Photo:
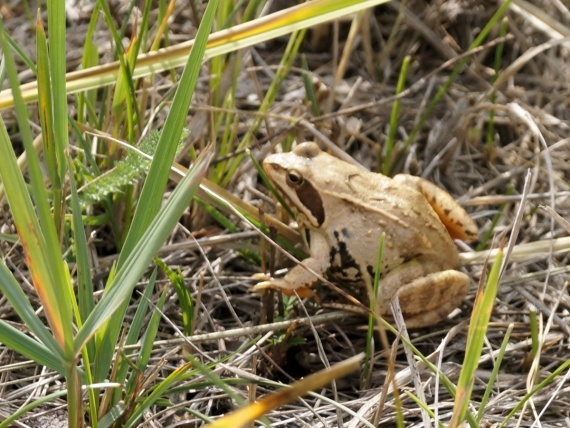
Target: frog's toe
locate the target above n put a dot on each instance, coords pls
(260, 276)
(281, 285)
(264, 285)
(267, 282)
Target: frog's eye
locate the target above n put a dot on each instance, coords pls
(294, 178)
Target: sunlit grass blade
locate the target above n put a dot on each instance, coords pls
(482, 309)
(313, 382)
(46, 268)
(238, 37)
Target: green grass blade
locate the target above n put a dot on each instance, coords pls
(45, 101)
(458, 69)
(133, 336)
(57, 64)
(46, 276)
(285, 64)
(85, 288)
(85, 297)
(86, 100)
(494, 373)
(10, 288)
(21, 54)
(387, 163)
(155, 184)
(152, 192)
(38, 190)
(35, 226)
(156, 393)
(125, 93)
(29, 348)
(31, 406)
(149, 336)
(310, 87)
(475, 339)
(538, 388)
(184, 297)
(139, 258)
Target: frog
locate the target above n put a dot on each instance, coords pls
(342, 211)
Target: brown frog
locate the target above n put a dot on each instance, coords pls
(343, 211)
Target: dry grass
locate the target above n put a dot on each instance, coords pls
(532, 123)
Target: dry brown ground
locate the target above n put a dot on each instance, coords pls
(531, 140)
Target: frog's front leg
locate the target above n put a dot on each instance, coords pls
(302, 277)
(426, 295)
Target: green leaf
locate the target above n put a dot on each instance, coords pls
(35, 226)
(29, 348)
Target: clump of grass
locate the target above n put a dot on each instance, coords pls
(112, 322)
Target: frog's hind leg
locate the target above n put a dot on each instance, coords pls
(429, 299)
(452, 215)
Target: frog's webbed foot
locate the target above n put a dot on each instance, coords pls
(452, 215)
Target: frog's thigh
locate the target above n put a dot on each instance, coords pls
(429, 299)
(452, 215)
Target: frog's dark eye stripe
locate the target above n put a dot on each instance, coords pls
(310, 198)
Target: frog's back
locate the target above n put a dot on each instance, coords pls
(379, 205)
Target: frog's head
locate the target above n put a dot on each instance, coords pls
(293, 174)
